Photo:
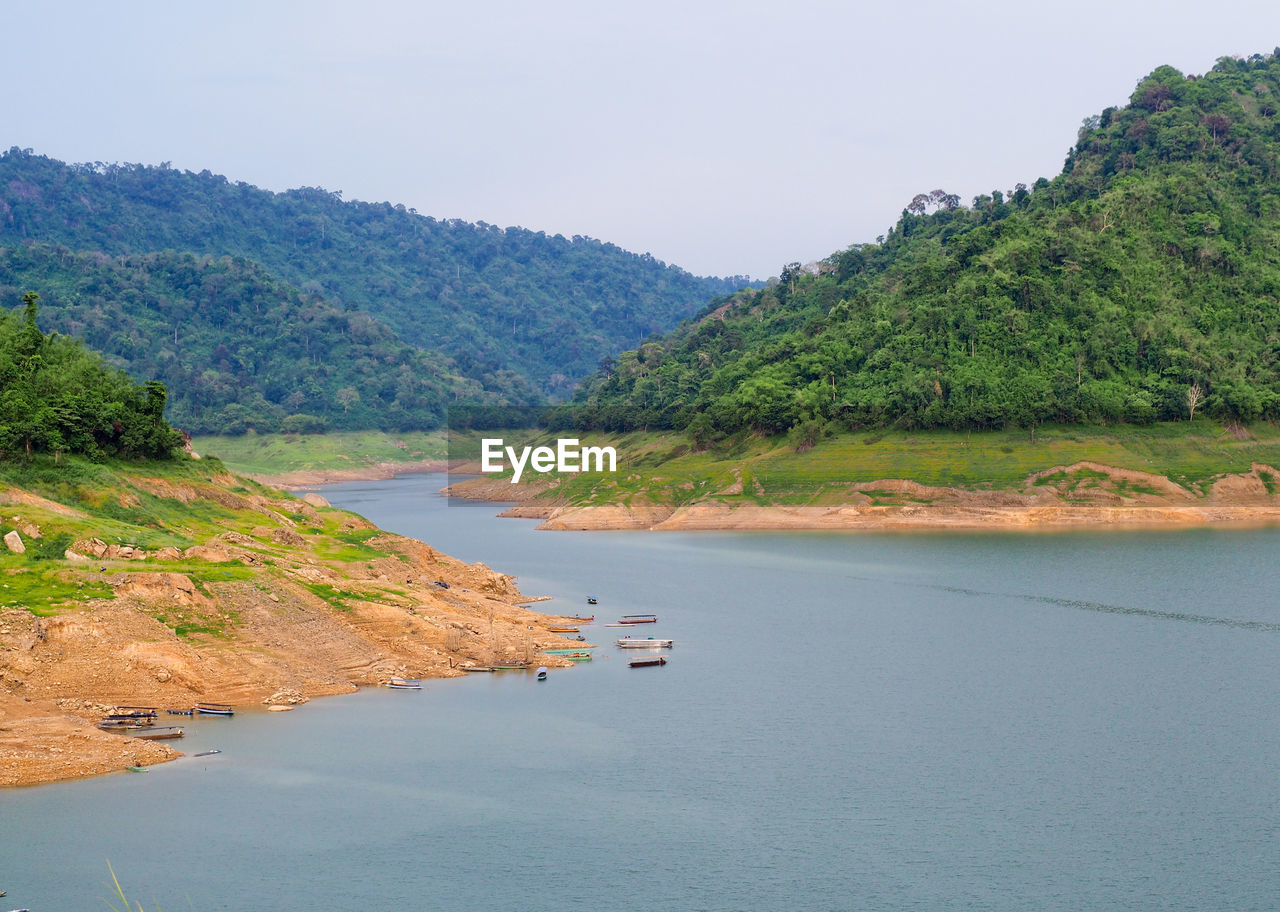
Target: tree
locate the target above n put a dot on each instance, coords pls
(1195, 393)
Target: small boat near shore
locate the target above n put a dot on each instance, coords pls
(163, 733)
(215, 709)
(576, 650)
(474, 668)
(628, 619)
(125, 723)
(542, 673)
(208, 753)
(645, 663)
(405, 683)
(560, 628)
(181, 712)
(583, 620)
(645, 643)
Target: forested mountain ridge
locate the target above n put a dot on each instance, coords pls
(489, 301)
(238, 348)
(1140, 284)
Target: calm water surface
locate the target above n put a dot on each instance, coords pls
(847, 721)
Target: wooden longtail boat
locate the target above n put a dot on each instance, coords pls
(559, 628)
(215, 709)
(645, 663)
(163, 733)
(639, 619)
(474, 668)
(405, 683)
(644, 643)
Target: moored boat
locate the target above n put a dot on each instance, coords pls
(645, 663)
(162, 733)
(583, 620)
(542, 673)
(405, 683)
(579, 657)
(560, 628)
(215, 709)
(474, 668)
(644, 643)
(574, 650)
(639, 619)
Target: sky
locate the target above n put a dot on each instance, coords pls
(725, 138)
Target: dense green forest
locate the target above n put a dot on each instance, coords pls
(58, 397)
(1140, 284)
(487, 301)
(238, 348)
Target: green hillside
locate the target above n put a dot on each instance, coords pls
(58, 398)
(239, 349)
(1139, 285)
(490, 301)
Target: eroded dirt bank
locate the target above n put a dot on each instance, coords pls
(1080, 495)
(280, 615)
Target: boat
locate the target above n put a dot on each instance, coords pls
(135, 712)
(136, 769)
(405, 683)
(590, 600)
(207, 753)
(126, 724)
(579, 657)
(576, 650)
(520, 667)
(180, 712)
(645, 643)
(542, 673)
(474, 668)
(215, 709)
(645, 663)
(639, 619)
(562, 629)
(163, 733)
(583, 620)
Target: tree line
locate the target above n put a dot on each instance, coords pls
(58, 397)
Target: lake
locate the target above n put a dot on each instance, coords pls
(951, 721)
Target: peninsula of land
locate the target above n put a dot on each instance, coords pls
(222, 591)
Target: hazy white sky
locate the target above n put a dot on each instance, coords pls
(724, 137)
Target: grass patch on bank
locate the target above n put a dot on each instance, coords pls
(279, 454)
(662, 468)
(45, 590)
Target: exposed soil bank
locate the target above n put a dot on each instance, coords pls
(1081, 495)
(289, 621)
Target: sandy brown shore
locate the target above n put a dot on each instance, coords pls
(271, 636)
(1083, 495)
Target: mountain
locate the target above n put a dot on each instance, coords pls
(238, 348)
(519, 314)
(1141, 284)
